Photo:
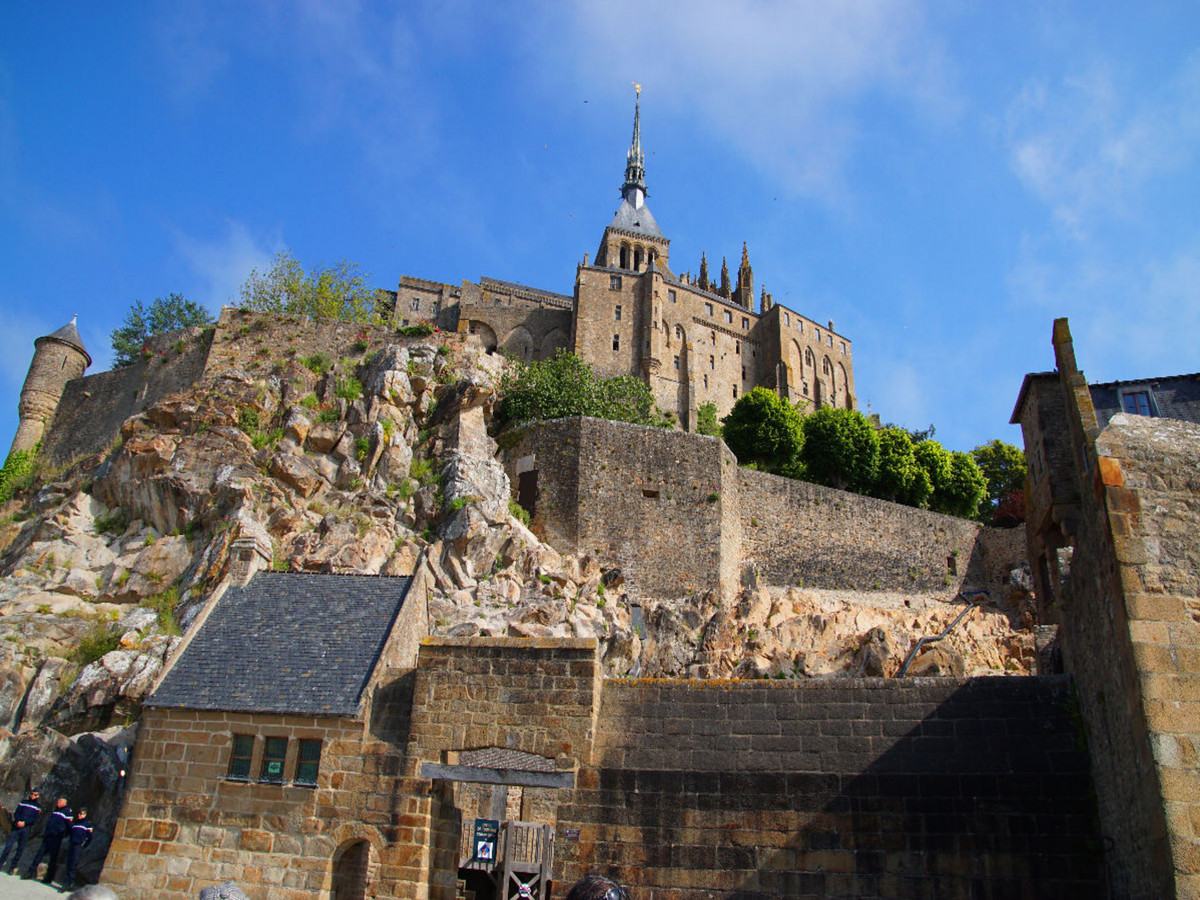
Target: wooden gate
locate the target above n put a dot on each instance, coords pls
(523, 863)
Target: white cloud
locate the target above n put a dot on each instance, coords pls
(783, 82)
(1084, 147)
(219, 266)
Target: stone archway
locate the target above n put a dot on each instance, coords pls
(351, 871)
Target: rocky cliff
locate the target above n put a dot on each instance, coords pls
(374, 462)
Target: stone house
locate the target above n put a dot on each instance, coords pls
(267, 751)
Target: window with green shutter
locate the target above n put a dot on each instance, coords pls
(239, 758)
(308, 761)
(274, 753)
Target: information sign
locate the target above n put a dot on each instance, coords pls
(486, 832)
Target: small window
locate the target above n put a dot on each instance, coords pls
(800, 325)
(708, 308)
(671, 296)
(843, 348)
(308, 762)
(617, 312)
(706, 381)
(1137, 403)
(787, 320)
(650, 493)
(745, 323)
(678, 332)
(677, 364)
(728, 317)
(743, 373)
(274, 753)
(735, 392)
(829, 338)
(614, 282)
(737, 347)
(616, 342)
(712, 362)
(712, 338)
(416, 303)
(239, 758)
(818, 335)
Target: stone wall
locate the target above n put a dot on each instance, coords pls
(93, 407)
(678, 516)
(533, 696)
(796, 532)
(649, 500)
(846, 789)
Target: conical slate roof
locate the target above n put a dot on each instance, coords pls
(638, 220)
(68, 334)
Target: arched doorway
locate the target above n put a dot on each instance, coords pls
(350, 871)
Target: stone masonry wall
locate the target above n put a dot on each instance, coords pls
(801, 533)
(836, 789)
(1131, 636)
(92, 408)
(650, 500)
(535, 696)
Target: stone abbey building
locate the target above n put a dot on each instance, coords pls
(692, 341)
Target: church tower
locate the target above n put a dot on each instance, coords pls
(633, 241)
(743, 296)
(57, 359)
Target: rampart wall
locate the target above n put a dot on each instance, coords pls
(92, 408)
(678, 515)
(837, 789)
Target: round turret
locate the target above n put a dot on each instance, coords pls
(57, 359)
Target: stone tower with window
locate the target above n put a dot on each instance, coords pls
(57, 359)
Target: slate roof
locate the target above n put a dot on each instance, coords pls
(287, 643)
(69, 334)
(504, 758)
(640, 220)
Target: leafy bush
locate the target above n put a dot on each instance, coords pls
(348, 388)
(414, 330)
(841, 449)
(318, 363)
(169, 313)
(1003, 466)
(310, 401)
(101, 639)
(324, 292)
(362, 446)
(165, 606)
(706, 419)
(566, 386)
(518, 512)
(765, 430)
(328, 414)
(19, 473)
(248, 421)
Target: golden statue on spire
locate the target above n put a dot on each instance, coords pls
(638, 88)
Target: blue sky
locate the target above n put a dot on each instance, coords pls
(940, 179)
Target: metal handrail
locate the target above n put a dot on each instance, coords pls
(928, 639)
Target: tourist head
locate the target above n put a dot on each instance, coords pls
(82, 814)
(60, 803)
(93, 892)
(597, 887)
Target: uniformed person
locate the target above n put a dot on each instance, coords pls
(52, 838)
(24, 816)
(81, 836)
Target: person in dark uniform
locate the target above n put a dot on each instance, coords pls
(24, 817)
(52, 838)
(81, 836)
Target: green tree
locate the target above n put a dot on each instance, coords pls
(168, 313)
(566, 386)
(764, 429)
(706, 419)
(1003, 465)
(324, 292)
(965, 489)
(841, 449)
(901, 478)
(934, 461)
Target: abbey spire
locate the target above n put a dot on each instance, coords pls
(634, 188)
